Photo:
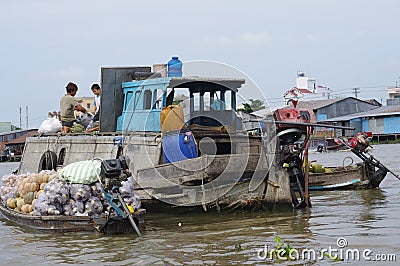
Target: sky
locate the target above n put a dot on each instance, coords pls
(344, 44)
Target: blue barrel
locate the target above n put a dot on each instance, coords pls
(174, 67)
(178, 147)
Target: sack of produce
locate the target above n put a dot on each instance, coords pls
(126, 189)
(80, 192)
(73, 207)
(97, 191)
(85, 119)
(57, 192)
(43, 206)
(76, 128)
(50, 125)
(83, 172)
(93, 206)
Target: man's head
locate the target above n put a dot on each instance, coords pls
(96, 89)
(72, 88)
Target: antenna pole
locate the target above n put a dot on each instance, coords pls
(20, 119)
(356, 92)
(26, 117)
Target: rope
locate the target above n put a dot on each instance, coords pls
(347, 157)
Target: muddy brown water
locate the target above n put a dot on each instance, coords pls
(365, 219)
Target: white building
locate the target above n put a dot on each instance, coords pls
(306, 89)
(393, 96)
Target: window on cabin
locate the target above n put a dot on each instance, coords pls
(147, 100)
(205, 101)
(196, 101)
(128, 98)
(216, 104)
(157, 99)
(88, 105)
(228, 100)
(136, 103)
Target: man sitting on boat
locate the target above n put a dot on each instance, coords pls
(67, 106)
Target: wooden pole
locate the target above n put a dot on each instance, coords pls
(306, 170)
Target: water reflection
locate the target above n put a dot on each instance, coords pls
(366, 218)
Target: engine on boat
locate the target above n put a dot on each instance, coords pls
(291, 127)
(114, 171)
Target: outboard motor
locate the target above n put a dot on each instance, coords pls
(359, 145)
(291, 124)
(114, 171)
(360, 142)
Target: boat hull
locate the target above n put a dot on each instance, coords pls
(62, 223)
(245, 175)
(339, 178)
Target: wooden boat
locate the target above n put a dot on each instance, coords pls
(338, 178)
(203, 135)
(62, 223)
(350, 177)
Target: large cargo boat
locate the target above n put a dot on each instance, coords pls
(187, 154)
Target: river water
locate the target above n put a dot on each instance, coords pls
(367, 220)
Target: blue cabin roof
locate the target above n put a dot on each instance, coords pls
(144, 99)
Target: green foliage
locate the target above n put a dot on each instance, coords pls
(246, 108)
(13, 127)
(238, 247)
(280, 251)
(257, 104)
(385, 142)
(283, 251)
(254, 105)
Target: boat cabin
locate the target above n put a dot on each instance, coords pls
(211, 103)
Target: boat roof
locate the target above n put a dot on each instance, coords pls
(195, 84)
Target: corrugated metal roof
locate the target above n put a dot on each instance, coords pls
(22, 138)
(380, 111)
(318, 103)
(17, 131)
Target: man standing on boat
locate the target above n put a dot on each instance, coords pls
(96, 91)
(68, 104)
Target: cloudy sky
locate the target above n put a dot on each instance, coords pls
(46, 43)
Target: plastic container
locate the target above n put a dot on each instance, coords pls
(172, 118)
(178, 147)
(174, 67)
(160, 68)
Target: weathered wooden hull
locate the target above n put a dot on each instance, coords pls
(59, 223)
(214, 181)
(50, 223)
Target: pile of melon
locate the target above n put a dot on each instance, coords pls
(21, 192)
(46, 194)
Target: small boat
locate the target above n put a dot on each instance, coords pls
(338, 178)
(63, 223)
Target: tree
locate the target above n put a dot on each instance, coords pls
(13, 127)
(257, 104)
(254, 105)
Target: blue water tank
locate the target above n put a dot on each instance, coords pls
(178, 147)
(174, 67)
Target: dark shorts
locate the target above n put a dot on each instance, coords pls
(67, 124)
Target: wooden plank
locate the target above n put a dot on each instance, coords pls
(206, 168)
